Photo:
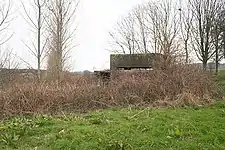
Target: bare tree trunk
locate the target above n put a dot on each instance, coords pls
(39, 40)
(216, 48)
(37, 24)
(204, 64)
(224, 44)
(186, 52)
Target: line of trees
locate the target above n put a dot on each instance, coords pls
(174, 27)
(52, 24)
(53, 27)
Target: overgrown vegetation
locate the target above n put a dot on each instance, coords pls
(175, 87)
(114, 129)
(42, 115)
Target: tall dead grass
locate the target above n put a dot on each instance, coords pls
(177, 86)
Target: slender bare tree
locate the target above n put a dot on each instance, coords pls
(6, 55)
(61, 29)
(37, 23)
(5, 12)
(186, 18)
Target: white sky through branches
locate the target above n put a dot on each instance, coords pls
(95, 18)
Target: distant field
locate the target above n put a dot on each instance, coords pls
(186, 128)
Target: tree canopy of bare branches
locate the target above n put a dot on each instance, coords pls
(151, 27)
(204, 15)
(174, 30)
(61, 29)
(124, 37)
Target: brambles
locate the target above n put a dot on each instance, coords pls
(178, 86)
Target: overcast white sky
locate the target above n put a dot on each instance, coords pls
(95, 19)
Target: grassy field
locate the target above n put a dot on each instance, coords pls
(114, 129)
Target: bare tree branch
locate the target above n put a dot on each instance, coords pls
(204, 13)
(5, 9)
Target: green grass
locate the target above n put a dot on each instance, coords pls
(115, 129)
